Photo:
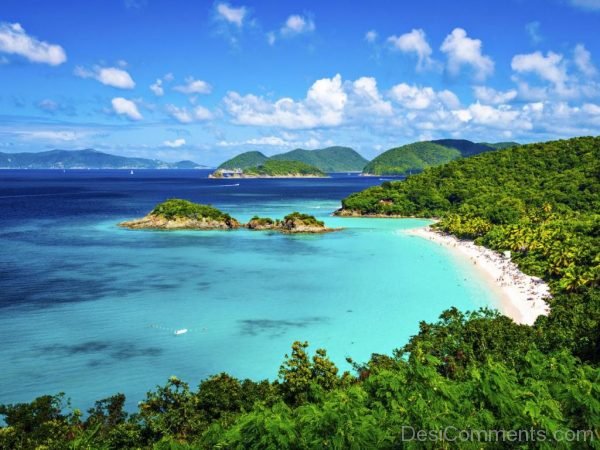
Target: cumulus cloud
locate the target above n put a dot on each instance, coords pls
(125, 107)
(461, 50)
(322, 107)
(157, 88)
(193, 86)
(414, 97)
(414, 42)
(550, 67)
(185, 115)
(231, 14)
(365, 98)
(174, 143)
(109, 76)
(14, 40)
(583, 60)
(491, 96)
(297, 24)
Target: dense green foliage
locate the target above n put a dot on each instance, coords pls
(244, 160)
(177, 208)
(411, 157)
(305, 219)
(541, 201)
(512, 386)
(330, 159)
(420, 155)
(272, 168)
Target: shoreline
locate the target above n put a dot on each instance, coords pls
(521, 296)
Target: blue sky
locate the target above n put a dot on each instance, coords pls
(206, 80)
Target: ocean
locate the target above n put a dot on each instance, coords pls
(90, 309)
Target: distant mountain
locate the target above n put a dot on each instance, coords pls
(419, 155)
(330, 159)
(85, 159)
(244, 160)
(411, 157)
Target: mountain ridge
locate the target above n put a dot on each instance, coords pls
(85, 159)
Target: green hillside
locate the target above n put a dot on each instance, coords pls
(417, 156)
(272, 168)
(244, 160)
(411, 157)
(331, 159)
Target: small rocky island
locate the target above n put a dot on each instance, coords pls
(292, 223)
(177, 214)
(272, 169)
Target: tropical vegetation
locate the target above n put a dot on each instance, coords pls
(244, 160)
(178, 208)
(470, 380)
(272, 168)
(417, 156)
(330, 159)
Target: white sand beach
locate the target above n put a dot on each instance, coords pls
(521, 296)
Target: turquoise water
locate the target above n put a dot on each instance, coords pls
(115, 298)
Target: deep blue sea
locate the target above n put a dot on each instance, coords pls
(91, 309)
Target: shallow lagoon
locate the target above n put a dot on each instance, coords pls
(90, 309)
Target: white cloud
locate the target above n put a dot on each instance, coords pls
(297, 24)
(462, 50)
(550, 67)
(193, 86)
(14, 40)
(185, 115)
(157, 88)
(55, 136)
(231, 14)
(366, 99)
(414, 42)
(491, 96)
(414, 97)
(323, 107)
(371, 36)
(275, 141)
(590, 108)
(271, 38)
(109, 76)
(583, 60)
(175, 143)
(125, 107)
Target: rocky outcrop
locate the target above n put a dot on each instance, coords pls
(156, 222)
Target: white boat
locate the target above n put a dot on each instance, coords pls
(131, 173)
(182, 331)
